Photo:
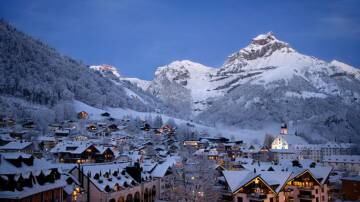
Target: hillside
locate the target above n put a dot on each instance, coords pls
(38, 74)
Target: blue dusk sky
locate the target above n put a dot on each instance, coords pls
(139, 35)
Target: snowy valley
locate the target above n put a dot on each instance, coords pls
(267, 123)
(260, 86)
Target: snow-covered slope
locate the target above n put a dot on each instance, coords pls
(131, 89)
(143, 84)
(186, 82)
(263, 84)
(269, 81)
(34, 72)
(266, 82)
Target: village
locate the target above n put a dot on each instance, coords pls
(88, 161)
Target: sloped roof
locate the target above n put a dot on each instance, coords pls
(16, 145)
(293, 139)
(160, 169)
(237, 179)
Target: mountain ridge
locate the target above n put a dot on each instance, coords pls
(267, 82)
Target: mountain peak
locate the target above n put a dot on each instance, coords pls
(106, 70)
(183, 66)
(263, 39)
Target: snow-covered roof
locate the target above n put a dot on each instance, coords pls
(8, 168)
(17, 145)
(293, 139)
(46, 138)
(24, 165)
(112, 175)
(244, 160)
(160, 169)
(148, 165)
(237, 179)
(74, 147)
(6, 137)
(36, 188)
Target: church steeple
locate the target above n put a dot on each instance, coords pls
(284, 129)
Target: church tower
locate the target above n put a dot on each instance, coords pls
(284, 129)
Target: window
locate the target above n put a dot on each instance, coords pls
(239, 199)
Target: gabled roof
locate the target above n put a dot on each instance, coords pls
(73, 147)
(160, 169)
(301, 172)
(238, 179)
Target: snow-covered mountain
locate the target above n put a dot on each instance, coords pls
(185, 85)
(267, 82)
(133, 88)
(38, 74)
(263, 84)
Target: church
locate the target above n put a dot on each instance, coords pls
(286, 141)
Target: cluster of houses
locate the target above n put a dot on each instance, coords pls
(290, 169)
(86, 160)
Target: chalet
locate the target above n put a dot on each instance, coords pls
(83, 115)
(25, 178)
(255, 185)
(305, 181)
(81, 152)
(116, 182)
(292, 184)
(18, 146)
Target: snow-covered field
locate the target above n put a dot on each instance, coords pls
(246, 135)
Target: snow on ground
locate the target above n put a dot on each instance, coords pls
(305, 94)
(143, 84)
(131, 93)
(247, 135)
(197, 77)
